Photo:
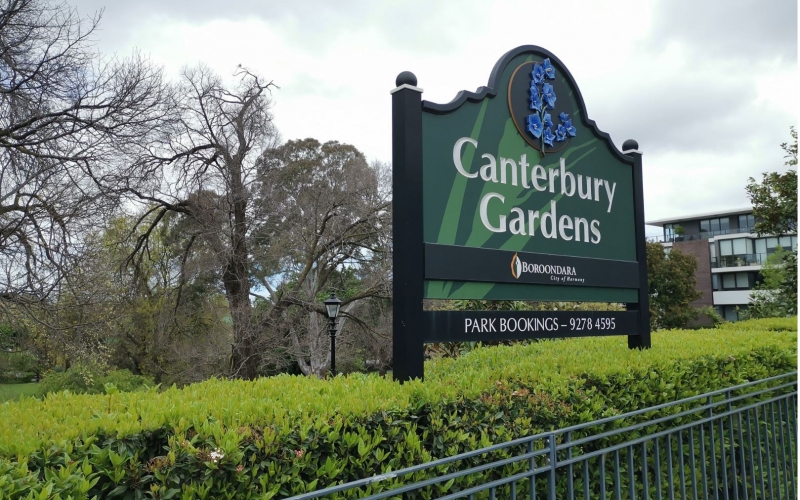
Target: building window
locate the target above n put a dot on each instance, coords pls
(747, 221)
(728, 281)
(738, 246)
(730, 313)
(669, 232)
(761, 246)
(718, 225)
(770, 245)
(712, 254)
(734, 281)
(742, 281)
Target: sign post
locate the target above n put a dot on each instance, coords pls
(512, 193)
(407, 287)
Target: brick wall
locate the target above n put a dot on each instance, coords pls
(699, 248)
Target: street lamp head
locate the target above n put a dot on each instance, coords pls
(333, 304)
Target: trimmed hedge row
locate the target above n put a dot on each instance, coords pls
(285, 435)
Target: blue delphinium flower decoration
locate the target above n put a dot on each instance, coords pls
(535, 125)
(537, 74)
(571, 130)
(536, 98)
(549, 95)
(549, 70)
(561, 133)
(543, 97)
(548, 136)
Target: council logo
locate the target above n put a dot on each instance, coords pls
(516, 267)
(541, 106)
(567, 273)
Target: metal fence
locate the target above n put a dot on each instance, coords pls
(731, 444)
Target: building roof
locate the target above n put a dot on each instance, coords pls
(682, 218)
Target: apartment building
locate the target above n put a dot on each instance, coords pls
(729, 254)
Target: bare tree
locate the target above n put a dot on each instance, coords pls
(66, 116)
(204, 169)
(285, 217)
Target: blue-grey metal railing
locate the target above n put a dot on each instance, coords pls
(731, 444)
(739, 260)
(702, 235)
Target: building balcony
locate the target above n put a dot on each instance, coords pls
(732, 297)
(741, 260)
(703, 235)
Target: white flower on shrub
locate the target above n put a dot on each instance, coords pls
(216, 455)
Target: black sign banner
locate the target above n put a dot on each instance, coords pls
(470, 326)
(448, 262)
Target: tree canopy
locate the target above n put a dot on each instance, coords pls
(775, 207)
(774, 199)
(66, 118)
(672, 285)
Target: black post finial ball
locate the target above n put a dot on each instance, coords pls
(629, 145)
(406, 78)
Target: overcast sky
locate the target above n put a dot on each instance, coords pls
(708, 88)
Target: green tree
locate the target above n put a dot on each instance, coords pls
(775, 198)
(327, 226)
(776, 295)
(775, 204)
(672, 285)
(160, 314)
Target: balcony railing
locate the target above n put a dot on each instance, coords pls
(741, 260)
(703, 235)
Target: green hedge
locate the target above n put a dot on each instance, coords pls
(86, 379)
(284, 435)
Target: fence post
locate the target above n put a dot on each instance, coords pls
(532, 465)
(551, 482)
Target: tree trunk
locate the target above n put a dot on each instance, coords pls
(246, 358)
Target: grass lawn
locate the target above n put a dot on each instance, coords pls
(14, 391)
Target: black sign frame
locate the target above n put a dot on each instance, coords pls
(412, 326)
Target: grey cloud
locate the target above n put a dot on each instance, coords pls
(690, 198)
(414, 25)
(711, 113)
(741, 29)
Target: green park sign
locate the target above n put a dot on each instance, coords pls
(512, 193)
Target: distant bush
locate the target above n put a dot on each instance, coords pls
(713, 316)
(279, 436)
(17, 367)
(90, 379)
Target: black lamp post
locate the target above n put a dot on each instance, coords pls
(332, 304)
